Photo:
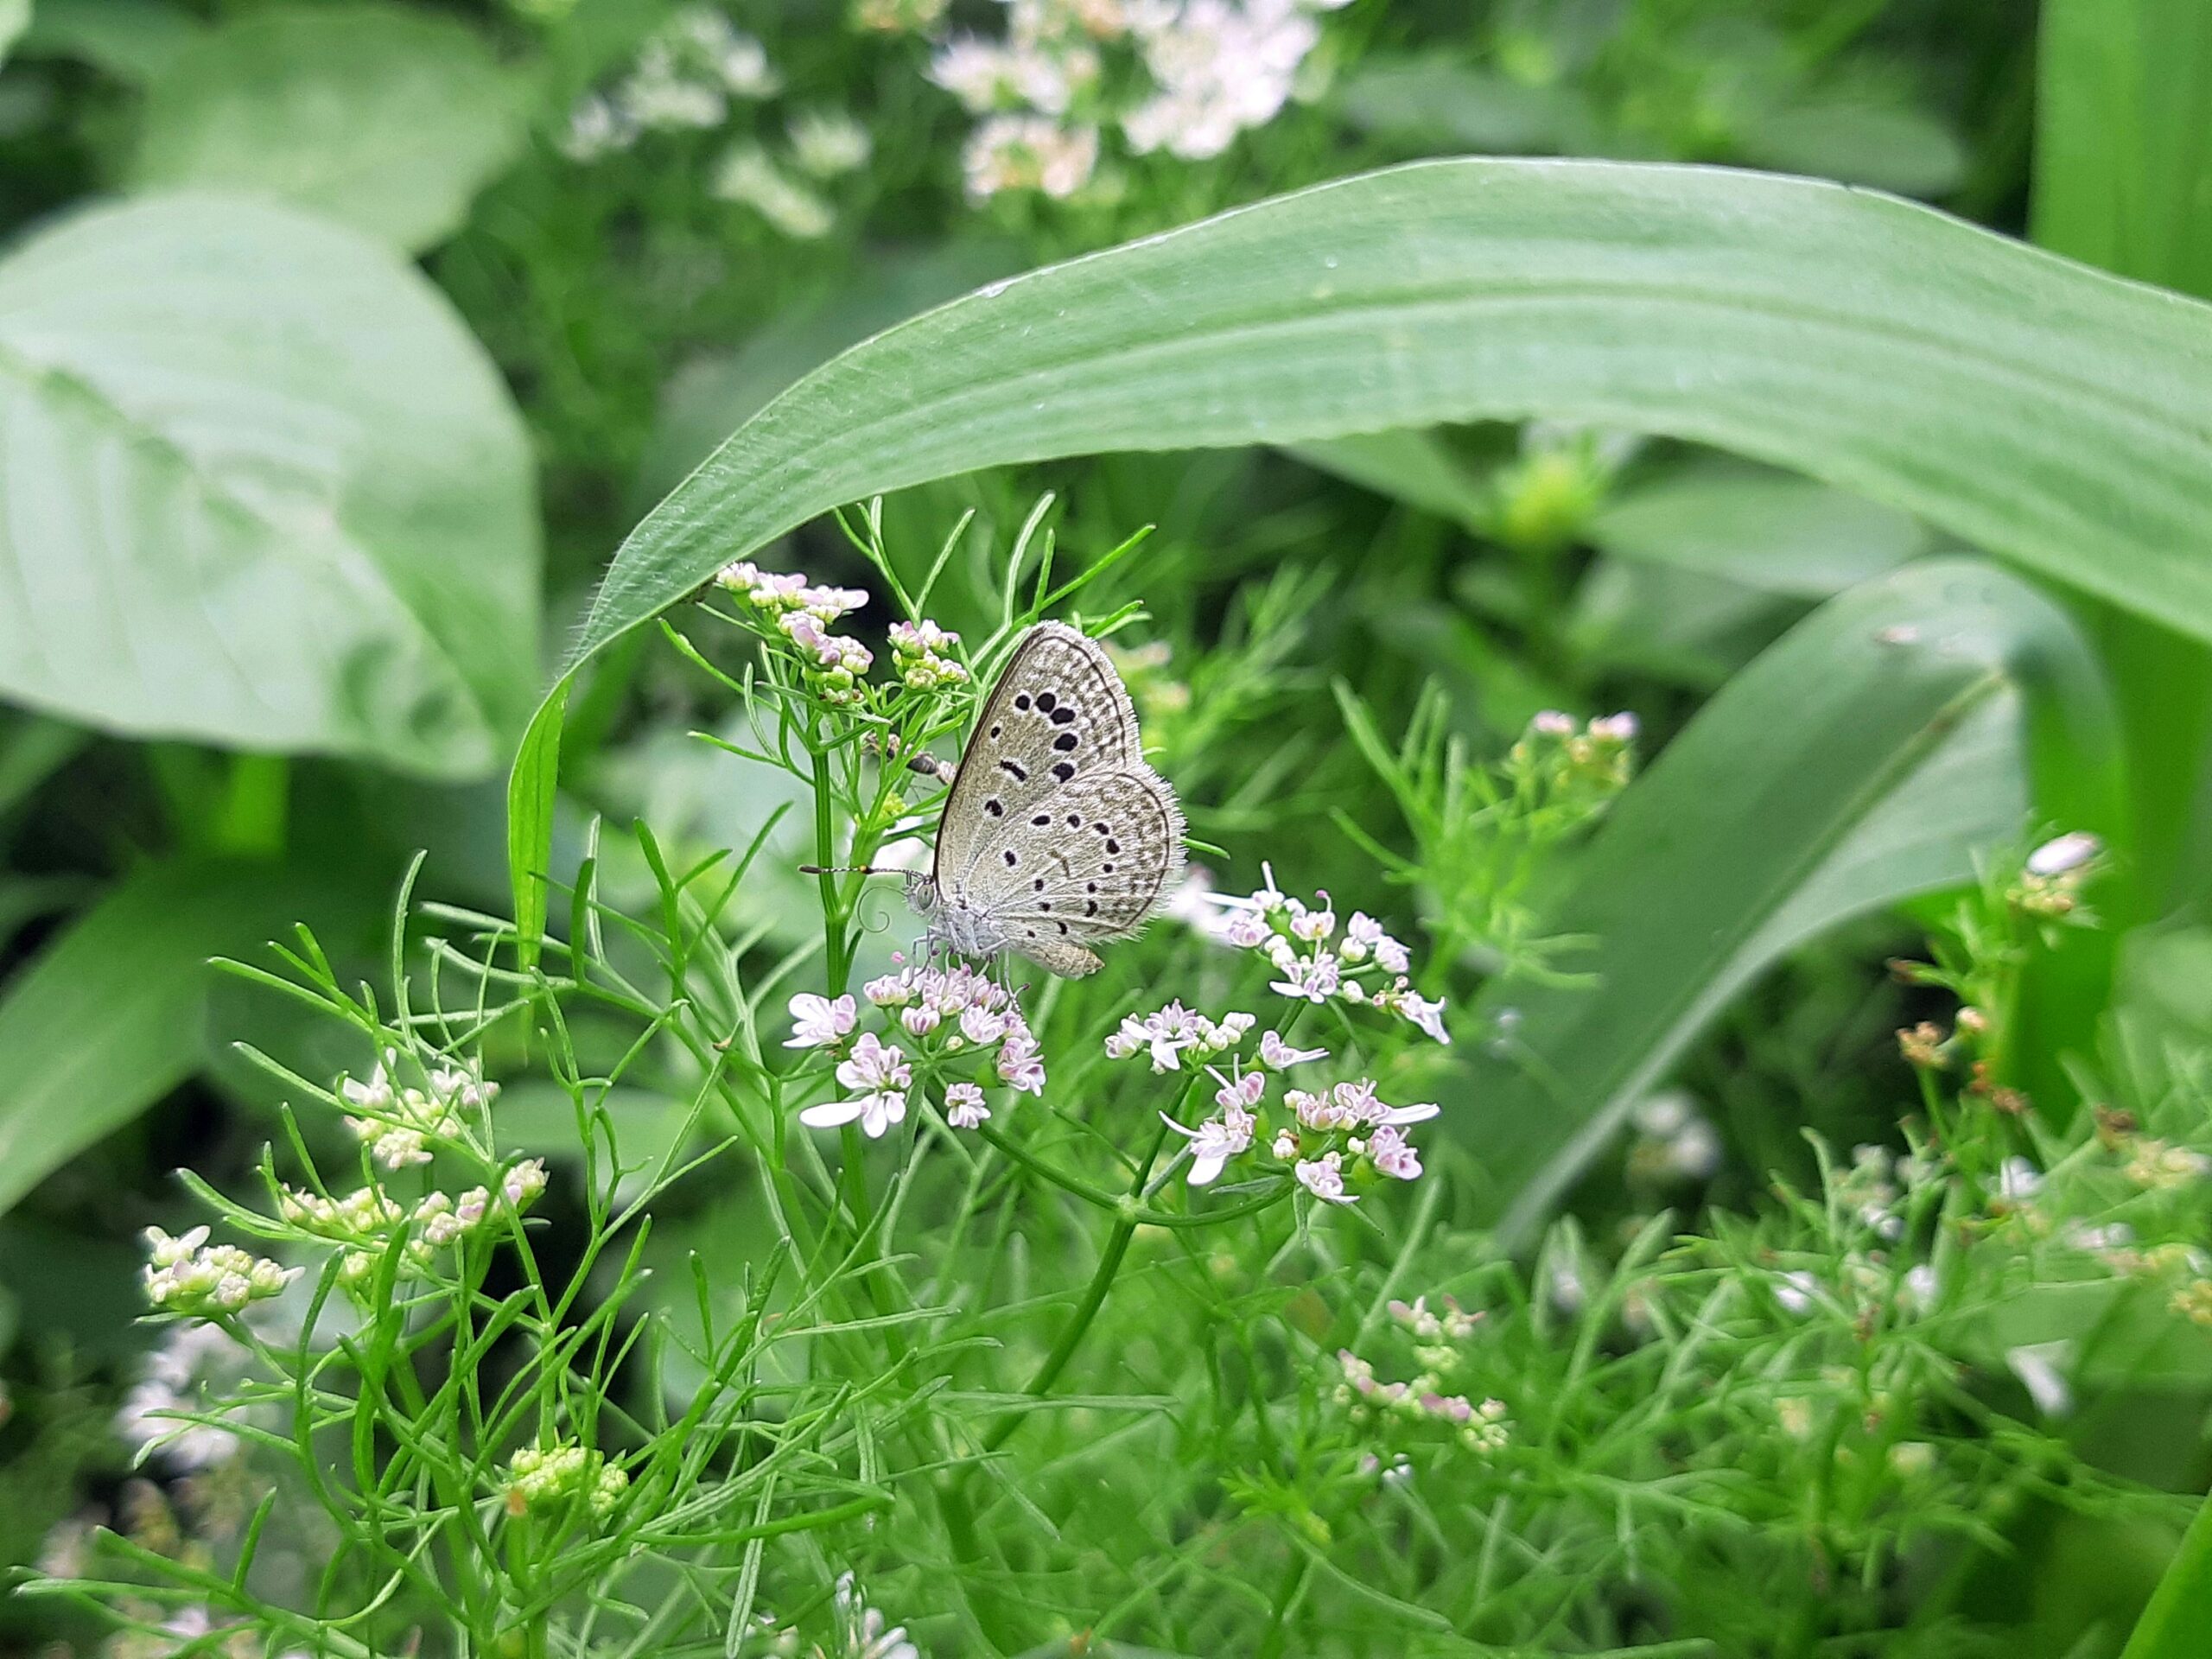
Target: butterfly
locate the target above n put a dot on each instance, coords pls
(1056, 835)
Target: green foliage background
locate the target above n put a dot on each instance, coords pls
(349, 435)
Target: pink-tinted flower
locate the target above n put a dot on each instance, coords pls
(1214, 1142)
(920, 1019)
(1315, 981)
(1246, 930)
(982, 1026)
(2063, 854)
(1277, 1055)
(1428, 1015)
(1389, 1152)
(1241, 1095)
(1324, 1178)
(963, 1106)
(1019, 1068)
(1311, 925)
(816, 1021)
(891, 991)
(874, 1067)
(1390, 956)
(877, 1112)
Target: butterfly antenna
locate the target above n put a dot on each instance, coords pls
(846, 869)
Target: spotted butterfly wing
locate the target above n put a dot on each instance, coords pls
(1056, 834)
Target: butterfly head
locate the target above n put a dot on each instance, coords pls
(921, 893)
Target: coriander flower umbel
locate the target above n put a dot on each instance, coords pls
(1175, 1031)
(958, 1028)
(191, 1276)
(1028, 152)
(918, 653)
(1366, 966)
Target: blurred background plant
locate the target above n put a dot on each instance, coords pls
(342, 343)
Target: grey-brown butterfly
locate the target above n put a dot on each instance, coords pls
(1056, 835)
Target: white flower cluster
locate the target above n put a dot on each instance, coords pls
(685, 75)
(1221, 68)
(1321, 1132)
(188, 1275)
(1186, 76)
(868, 1634)
(1366, 966)
(540, 1478)
(2054, 874)
(918, 651)
(402, 1126)
(787, 606)
(1600, 753)
(364, 1220)
(2160, 1167)
(1176, 1032)
(1675, 1142)
(692, 73)
(960, 1022)
(173, 1379)
(1483, 1428)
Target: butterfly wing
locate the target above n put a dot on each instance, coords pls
(1091, 861)
(1056, 833)
(1059, 712)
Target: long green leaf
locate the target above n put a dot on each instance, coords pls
(263, 489)
(1866, 757)
(2123, 178)
(2174, 1624)
(106, 1021)
(2052, 415)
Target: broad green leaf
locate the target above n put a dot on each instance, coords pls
(263, 490)
(132, 40)
(106, 1021)
(2055, 416)
(1758, 528)
(2173, 1625)
(1865, 757)
(388, 118)
(1841, 334)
